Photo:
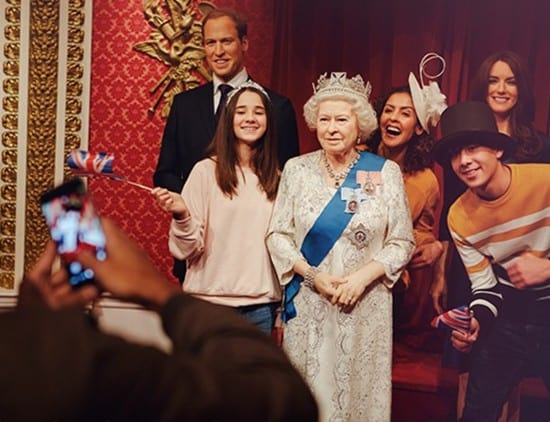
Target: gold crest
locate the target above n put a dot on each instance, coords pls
(176, 41)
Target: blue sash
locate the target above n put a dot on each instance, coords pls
(327, 229)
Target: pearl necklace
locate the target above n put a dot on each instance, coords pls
(341, 175)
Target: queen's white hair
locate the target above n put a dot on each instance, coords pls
(364, 112)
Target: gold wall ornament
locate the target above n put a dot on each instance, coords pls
(176, 41)
(7, 246)
(11, 33)
(7, 228)
(41, 119)
(9, 121)
(75, 73)
(11, 52)
(9, 139)
(7, 262)
(45, 52)
(7, 210)
(13, 14)
(11, 68)
(11, 86)
(75, 70)
(8, 175)
(74, 88)
(10, 104)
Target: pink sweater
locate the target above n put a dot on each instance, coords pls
(223, 240)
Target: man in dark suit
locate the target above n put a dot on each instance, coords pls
(59, 366)
(192, 122)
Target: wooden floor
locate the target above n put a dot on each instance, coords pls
(425, 392)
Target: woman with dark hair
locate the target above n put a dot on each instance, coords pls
(221, 217)
(405, 139)
(503, 82)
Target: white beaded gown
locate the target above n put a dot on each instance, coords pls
(344, 356)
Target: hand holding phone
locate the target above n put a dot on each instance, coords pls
(75, 227)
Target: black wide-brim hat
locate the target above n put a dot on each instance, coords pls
(469, 123)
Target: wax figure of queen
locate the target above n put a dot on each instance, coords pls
(340, 236)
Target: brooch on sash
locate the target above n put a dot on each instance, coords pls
(353, 198)
(368, 180)
(358, 236)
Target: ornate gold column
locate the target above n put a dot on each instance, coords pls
(45, 102)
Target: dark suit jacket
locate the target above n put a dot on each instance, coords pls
(58, 366)
(190, 128)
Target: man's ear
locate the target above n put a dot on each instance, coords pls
(244, 43)
(499, 153)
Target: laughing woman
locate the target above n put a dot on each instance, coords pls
(221, 217)
(339, 238)
(404, 138)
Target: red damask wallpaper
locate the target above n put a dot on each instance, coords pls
(119, 123)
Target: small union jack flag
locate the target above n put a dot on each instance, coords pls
(81, 161)
(457, 319)
(88, 164)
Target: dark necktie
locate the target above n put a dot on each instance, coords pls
(224, 90)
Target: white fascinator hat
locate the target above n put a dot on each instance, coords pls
(428, 100)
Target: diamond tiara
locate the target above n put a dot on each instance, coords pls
(340, 83)
(247, 84)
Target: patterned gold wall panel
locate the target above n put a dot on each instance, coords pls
(42, 107)
(43, 78)
(75, 74)
(9, 138)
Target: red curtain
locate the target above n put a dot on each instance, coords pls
(384, 41)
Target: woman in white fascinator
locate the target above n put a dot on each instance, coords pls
(406, 115)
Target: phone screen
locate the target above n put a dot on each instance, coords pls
(75, 226)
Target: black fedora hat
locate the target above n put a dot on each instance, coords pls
(469, 123)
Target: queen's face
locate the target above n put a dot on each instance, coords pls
(398, 121)
(337, 127)
(502, 89)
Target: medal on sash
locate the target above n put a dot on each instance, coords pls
(352, 205)
(369, 188)
(368, 181)
(358, 236)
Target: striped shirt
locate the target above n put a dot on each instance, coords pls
(490, 234)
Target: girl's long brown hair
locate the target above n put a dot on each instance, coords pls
(223, 149)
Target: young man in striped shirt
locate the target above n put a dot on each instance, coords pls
(501, 229)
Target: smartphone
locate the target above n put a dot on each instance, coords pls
(75, 227)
